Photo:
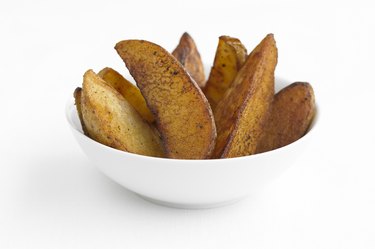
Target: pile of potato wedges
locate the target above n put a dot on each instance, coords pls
(174, 112)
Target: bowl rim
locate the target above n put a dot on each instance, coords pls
(70, 104)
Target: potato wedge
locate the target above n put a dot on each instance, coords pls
(112, 121)
(240, 115)
(129, 91)
(229, 58)
(187, 54)
(292, 112)
(182, 112)
(77, 98)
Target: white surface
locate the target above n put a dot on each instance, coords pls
(50, 195)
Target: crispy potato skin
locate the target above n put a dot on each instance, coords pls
(187, 54)
(129, 91)
(292, 112)
(241, 114)
(229, 58)
(112, 121)
(77, 98)
(183, 114)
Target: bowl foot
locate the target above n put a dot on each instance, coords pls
(190, 205)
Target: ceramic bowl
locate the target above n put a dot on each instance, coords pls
(190, 183)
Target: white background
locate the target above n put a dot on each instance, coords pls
(52, 197)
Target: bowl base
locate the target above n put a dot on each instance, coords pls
(189, 205)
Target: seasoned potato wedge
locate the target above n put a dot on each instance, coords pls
(229, 58)
(241, 114)
(183, 114)
(112, 121)
(293, 109)
(77, 98)
(129, 91)
(187, 54)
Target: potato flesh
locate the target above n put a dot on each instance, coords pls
(292, 112)
(129, 91)
(229, 58)
(183, 115)
(112, 121)
(241, 114)
(187, 54)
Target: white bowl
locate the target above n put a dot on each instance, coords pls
(189, 183)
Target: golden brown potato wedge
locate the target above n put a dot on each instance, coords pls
(229, 58)
(77, 98)
(240, 115)
(292, 112)
(129, 91)
(187, 54)
(112, 121)
(183, 114)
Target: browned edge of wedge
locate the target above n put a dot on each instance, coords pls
(292, 112)
(188, 55)
(77, 99)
